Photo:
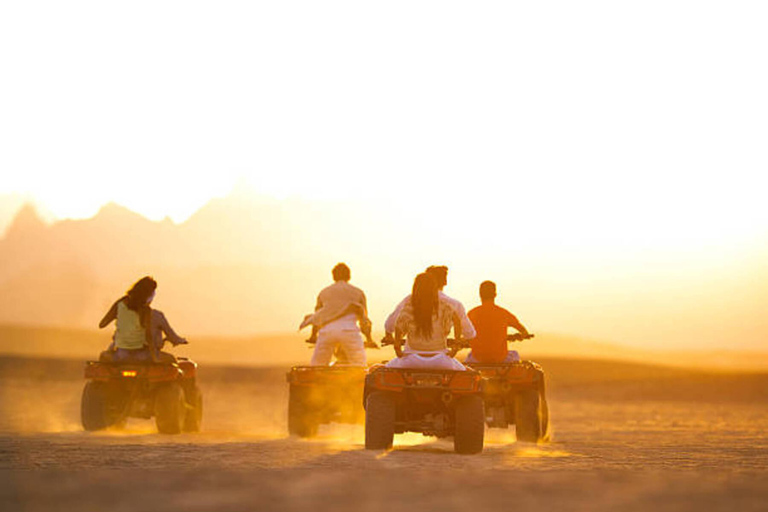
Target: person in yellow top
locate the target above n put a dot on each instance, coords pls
(132, 340)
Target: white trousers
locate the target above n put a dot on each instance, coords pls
(435, 362)
(348, 342)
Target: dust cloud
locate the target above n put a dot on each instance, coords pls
(629, 437)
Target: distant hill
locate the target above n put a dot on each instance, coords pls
(245, 265)
(554, 345)
(236, 267)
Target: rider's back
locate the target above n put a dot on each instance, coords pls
(491, 322)
(336, 298)
(442, 322)
(129, 333)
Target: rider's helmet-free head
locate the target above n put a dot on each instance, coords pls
(341, 272)
(439, 273)
(487, 290)
(141, 293)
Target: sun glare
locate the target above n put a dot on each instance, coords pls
(561, 149)
(566, 125)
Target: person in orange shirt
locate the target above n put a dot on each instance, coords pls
(491, 322)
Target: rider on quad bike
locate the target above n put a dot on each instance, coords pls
(134, 378)
(335, 313)
(425, 389)
(491, 322)
(425, 320)
(326, 392)
(514, 390)
(440, 274)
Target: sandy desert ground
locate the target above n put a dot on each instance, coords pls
(626, 437)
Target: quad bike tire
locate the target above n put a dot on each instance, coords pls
(94, 405)
(379, 421)
(301, 420)
(531, 416)
(469, 430)
(194, 409)
(170, 410)
(544, 408)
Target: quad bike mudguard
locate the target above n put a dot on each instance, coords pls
(324, 394)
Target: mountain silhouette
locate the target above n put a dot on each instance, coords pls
(245, 264)
(238, 265)
(26, 223)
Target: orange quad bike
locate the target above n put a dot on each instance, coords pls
(168, 391)
(515, 395)
(318, 395)
(434, 402)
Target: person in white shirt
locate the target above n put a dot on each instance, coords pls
(343, 332)
(440, 275)
(425, 322)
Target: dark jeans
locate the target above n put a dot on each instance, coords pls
(124, 355)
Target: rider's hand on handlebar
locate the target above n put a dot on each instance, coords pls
(519, 336)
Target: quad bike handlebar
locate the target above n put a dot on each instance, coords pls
(519, 337)
(454, 345)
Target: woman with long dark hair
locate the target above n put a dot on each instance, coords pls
(425, 322)
(132, 338)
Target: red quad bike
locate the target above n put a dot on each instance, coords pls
(324, 394)
(438, 402)
(168, 391)
(515, 395)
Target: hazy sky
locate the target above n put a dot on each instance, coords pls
(622, 112)
(630, 129)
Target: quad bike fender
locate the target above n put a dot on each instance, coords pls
(187, 367)
(511, 376)
(100, 371)
(326, 375)
(399, 379)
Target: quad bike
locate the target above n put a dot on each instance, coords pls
(434, 402)
(324, 394)
(167, 390)
(515, 395)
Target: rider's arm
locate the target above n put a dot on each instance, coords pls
(400, 327)
(459, 342)
(512, 321)
(397, 342)
(170, 334)
(389, 324)
(364, 303)
(458, 332)
(111, 315)
(467, 329)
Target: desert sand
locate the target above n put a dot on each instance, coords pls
(626, 437)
